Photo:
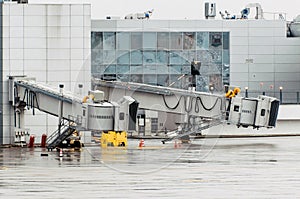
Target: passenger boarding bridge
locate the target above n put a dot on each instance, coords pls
(115, 109)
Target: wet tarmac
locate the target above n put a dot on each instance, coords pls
(208, 168)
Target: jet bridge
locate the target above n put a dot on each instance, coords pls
(200, 110)
(74, 114)
(166, 99)
(116, 109)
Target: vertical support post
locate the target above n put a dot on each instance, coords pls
(280, 94)
(60, 109)
(246, 91)
(297, 97)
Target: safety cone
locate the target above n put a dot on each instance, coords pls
(61, 153)
(141, 144)
(175, 144)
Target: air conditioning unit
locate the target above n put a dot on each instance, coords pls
(210, 10)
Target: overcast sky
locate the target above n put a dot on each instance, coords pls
(180, 9)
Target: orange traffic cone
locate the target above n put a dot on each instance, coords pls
(141, 144)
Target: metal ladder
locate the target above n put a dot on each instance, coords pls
(58, 136)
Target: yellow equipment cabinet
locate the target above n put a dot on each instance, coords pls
(114, 139)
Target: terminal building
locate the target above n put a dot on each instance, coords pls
(255, 54)
(258, 55)
(60, 44)
(50, 42)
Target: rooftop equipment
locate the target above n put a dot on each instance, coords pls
(210, 10)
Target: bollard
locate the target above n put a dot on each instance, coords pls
(43, 141)
(31, 141)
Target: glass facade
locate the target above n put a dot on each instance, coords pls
(162, 58)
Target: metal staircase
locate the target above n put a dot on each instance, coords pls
(58, 136)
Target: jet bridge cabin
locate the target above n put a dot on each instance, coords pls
(256, 112)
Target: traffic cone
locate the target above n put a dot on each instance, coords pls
(175, 144)
(141, 144)
(61, 153)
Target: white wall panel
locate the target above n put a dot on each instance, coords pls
(239, 50)
(77, 42)
(287, 86)
(35, 21)
(87, 20)
(261, 32)
(261, 50)
(58, 54)
(287, 59)
(239, 59)
(16, 53)
(63, 76)
(287, 50)
(287, 76)
(16, 31)
(234, 68)
(16, 10)
(239, 32)
(77, 32)
(87, 32)
(58, 10)
(58, 64)
(58, 43)
(77, 65)
(239, 41)
(269, 67)
(34, 10)
(87, 53)
(262, 59)
(6, 42)
(87, 43)
(279, 32)
(77, 9)
(36, 120)
(232, 24)
(87, 9)
(5, 21)
(17, 65)
(257, 76)
(31, 43)
(261, 86)
(239, 76)
(77, 21)
(54, 31)
(35, 65)
(16, 21)
(5, 32)
(35, 32)
(266, 23)
(287, 68)
(39, 75)
(58, 20)
(17, 42)
(34, 53)
(77, 54)
(261, 41)
(292, 41)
